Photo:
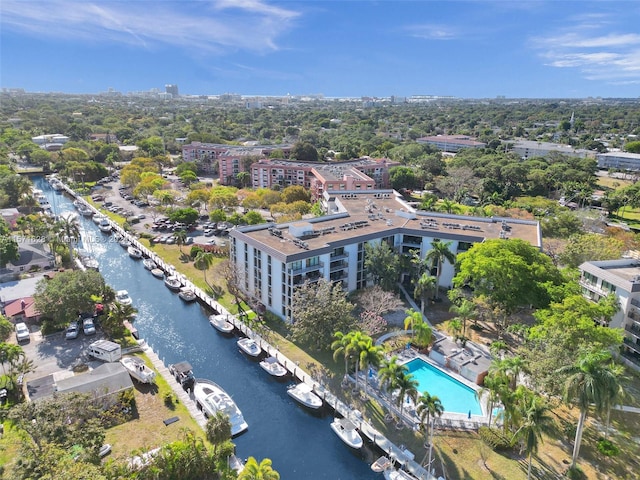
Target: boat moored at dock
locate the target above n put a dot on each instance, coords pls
(211, 398)
(304, 395)
(220, 323)
(346, 430)
(250, 347)
(273, 367)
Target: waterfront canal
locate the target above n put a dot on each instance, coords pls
(301, 445)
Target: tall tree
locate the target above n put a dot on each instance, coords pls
(407, 387)
(319, 310)
(423, 286)
(439, 253)
(428, 407)
(203, 261)
(508, 274)
(218, 430)
(68, 293)
(592, 381)
(535, 422)
(370, 356)
(383, 264)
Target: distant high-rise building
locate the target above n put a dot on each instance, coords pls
(172, 89)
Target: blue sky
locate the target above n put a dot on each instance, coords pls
(341, 48)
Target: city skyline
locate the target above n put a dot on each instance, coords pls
(472, 49)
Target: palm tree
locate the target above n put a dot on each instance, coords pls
(464, 311)
(437, 255)
(429, 406)
(258, 471)
(9, 353)
(118, 314)
(203, 261)
(511, 367)
(424, 285)
(593, 381)
(181, 238)
(614, 397)
(535, 422)
(412, 319)
(493, 385)
(370, 356)
(68, 230)
(340, 346)
(407, 386)
(359, 343)
(218, 430)
(389, 372)
(424, 334)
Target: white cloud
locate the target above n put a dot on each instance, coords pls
(595, 45)
(432, 32)
(213, 26)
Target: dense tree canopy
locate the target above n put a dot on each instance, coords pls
(509, 273)
(62, 297)
(319, 310)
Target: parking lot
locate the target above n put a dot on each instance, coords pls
(54, 354)
(145, 218)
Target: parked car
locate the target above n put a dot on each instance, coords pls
(22, 332)
(88, 327)
(72, 331)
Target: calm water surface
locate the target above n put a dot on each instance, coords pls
(301, 445)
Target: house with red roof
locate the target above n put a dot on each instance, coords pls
(22, 310)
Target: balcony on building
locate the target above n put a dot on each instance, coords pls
(632, 344)
(338, 265)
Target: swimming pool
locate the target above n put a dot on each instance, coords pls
(454, 395)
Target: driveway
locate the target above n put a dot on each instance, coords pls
(54, 353)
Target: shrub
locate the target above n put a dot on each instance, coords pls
(575, 473)
(495, 438)
(194, 251)
(607, 447)
(169, 399)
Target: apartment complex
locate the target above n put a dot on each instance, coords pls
(362, 174)
(531, 149)
(619, 160)
(451, 143)
(228, 157)
(622, 278)
(272, 260)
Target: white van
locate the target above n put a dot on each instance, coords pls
(105, 350)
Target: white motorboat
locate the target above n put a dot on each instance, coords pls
(105, 225)
(187, 294)
(250, 347)
(346, 430)
(122, 297)
(156, 272)
(393, 474)
(220, 323)
(173, 283)
(134, 252)
(97, 218)
(273, 367)
(381, 464)
(303, 393)
(122, 241)
(138, 369)
(212, 398)
(149, 264)
(235, 463)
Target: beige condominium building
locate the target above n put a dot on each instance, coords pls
(272, 260)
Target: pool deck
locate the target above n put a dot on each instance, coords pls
(448, 420)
